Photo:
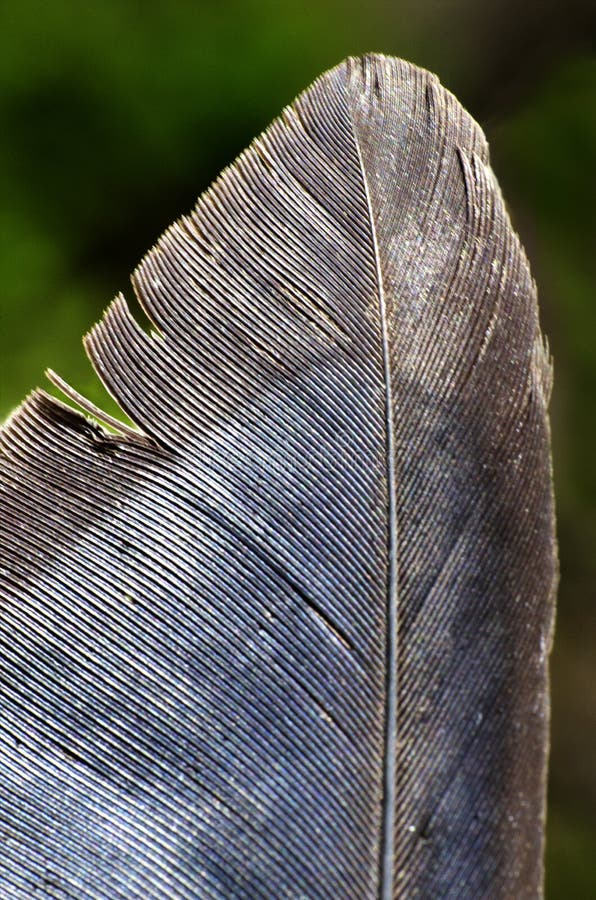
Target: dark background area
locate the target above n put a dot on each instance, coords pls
(114, 116)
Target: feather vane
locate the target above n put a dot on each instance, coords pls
(288, 636)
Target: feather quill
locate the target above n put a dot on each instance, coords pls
(288, 636)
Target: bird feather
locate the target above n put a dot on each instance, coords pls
(288, 635)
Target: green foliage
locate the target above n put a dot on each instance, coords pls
(571, 858)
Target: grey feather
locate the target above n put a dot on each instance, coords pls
(288, 637)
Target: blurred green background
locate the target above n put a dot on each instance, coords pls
(115, 115)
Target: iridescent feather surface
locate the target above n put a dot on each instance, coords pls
(288, 637)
